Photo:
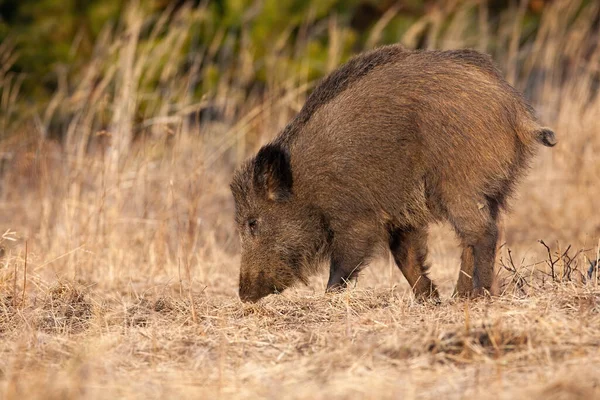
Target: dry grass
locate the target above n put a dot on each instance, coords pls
(373, 343)
(118, 268)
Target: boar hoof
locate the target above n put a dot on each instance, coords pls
(336, 288)
(430, 298)
(476, 293)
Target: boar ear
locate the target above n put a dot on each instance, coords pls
(273, 173)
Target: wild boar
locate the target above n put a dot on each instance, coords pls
(388, 143)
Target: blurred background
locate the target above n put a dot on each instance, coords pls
(121, 122)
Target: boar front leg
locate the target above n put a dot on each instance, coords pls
(341, 271)
(348, 258)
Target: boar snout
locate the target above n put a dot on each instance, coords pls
(248, 296)
(251, 295)
(254, 289)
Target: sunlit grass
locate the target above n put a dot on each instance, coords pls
(130, 283)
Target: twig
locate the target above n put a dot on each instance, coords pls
(551, 262)
(24, 276)
(518, 279)
(14, 299)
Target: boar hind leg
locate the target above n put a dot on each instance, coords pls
(409, 248)
(478, 233)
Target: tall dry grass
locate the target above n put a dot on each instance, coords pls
(119, 265)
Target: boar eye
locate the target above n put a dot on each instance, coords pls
(252, 226)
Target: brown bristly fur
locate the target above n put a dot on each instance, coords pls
(388, 143)
(107, 311)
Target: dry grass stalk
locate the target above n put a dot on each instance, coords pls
(130, 268)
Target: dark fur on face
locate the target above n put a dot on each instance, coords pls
(391, 141)
(282, 239)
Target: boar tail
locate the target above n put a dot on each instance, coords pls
(545, 136)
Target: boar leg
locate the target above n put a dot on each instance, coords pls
(409, 248)
(348, 258)
(479, 235)
(341, 271)
(464, 286)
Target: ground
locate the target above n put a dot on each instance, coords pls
(119, 258)
(539, 339)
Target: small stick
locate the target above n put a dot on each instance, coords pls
(180, 279)
(14, 299)
(551, 262)
(347, 301)
(190, 293)
(24, 276)
(467, 318)
(595, 273)
(193, 306)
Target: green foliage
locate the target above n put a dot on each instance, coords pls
(52, 33)
(56, 39)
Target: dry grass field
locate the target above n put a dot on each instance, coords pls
(119, 260)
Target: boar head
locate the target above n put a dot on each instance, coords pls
(282, 235)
